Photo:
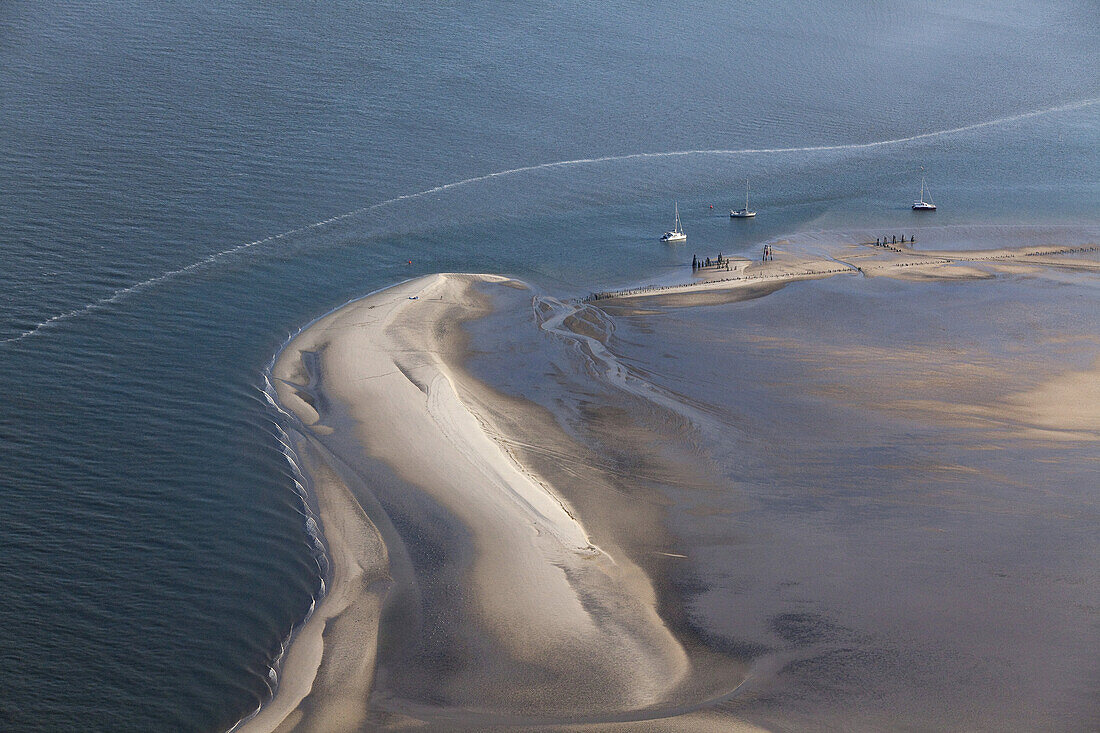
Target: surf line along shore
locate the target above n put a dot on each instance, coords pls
(465, 587)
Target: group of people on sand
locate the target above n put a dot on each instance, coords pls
(722, 263)
(767, 253)
(894, 240)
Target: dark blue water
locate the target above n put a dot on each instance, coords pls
(164, 169)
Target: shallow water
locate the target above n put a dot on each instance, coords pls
(865, 514)
(165, 168)
(909, 566)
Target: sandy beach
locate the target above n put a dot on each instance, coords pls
(535, 617)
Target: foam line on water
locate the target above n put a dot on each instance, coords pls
(122, 293)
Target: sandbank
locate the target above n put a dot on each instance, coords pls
(868, 260)
(466, 589)
(487, 570)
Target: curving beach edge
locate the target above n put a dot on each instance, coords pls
(534, 618)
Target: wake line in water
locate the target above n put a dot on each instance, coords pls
(212, 258)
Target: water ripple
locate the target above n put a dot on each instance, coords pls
(211, 259)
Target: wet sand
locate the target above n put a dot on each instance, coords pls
(909, 518)
(896, 261)
(528, 517)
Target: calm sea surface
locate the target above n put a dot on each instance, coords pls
(166, 168)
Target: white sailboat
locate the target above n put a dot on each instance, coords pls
(923, 205)
(744, 213)
(677, 233)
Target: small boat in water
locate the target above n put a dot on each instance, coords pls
(923, 205)
(744, 213)
(677, 233)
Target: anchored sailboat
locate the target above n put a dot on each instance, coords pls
(677, 233)
(923, 205)
(743, 213)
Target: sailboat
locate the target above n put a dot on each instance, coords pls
(743, 213)
(677, 233)
(923, 205)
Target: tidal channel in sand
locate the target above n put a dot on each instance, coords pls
(497, 601)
